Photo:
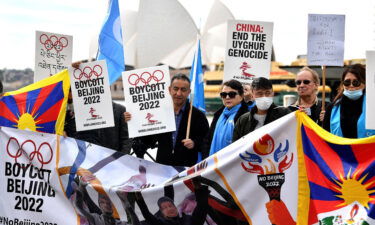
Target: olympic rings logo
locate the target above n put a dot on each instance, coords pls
(146, 77)
(53, 42)
(88, 72)
(43, 154)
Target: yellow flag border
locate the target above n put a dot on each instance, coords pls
(303, 190)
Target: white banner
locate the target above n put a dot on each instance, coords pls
(92, 98)
(326, 36)
(249, 49)
(148, 100)
(370, 89)
(53, 53)
(100, 183)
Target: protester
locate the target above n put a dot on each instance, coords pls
(1, 89)
(307, 81)
(221, 129)
(264, 111)
(173, 147)
(345, 117)
(116, 137)
(247, 96)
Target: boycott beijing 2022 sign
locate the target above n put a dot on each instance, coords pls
(91, 96)
(249, 49)
(148, 100)
(28, 180)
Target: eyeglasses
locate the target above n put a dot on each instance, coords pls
(348, 82)
(306, 82)
(231, 94)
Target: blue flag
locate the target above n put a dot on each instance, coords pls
(196, 77)
(110, 43)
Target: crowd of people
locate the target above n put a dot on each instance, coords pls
(246, 107)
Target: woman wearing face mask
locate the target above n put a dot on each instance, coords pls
(345, 117)
(264, 112)
(221, 129)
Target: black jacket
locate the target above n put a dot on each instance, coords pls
(349, 114)
(243, 109)
(180, 155)
(316, 108)
(247, 123)
(116, 138)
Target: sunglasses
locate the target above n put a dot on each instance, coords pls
(306, 82)
(348, 82)
(231, 94)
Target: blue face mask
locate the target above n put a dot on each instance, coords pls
(353, 95)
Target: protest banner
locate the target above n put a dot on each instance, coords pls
(91, 96)
(249, 49)
(53, 53)
(148, 100)
(325, 43)
(286, 172)
(40, 106)
(370, 89)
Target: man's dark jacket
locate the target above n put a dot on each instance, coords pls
(180, 155)
(247, 123)
(116, 138)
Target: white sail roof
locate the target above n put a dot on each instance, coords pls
(162, 31)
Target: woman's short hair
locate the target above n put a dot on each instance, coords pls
(234, 84)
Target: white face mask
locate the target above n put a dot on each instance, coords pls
(263, 103)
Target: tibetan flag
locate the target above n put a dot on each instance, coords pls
(38, 107)
(110, 42)
(337, 185)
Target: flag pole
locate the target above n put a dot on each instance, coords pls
(324, 87)
(193, 89)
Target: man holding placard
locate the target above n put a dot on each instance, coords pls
(173, 147)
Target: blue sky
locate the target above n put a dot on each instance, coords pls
(19, 19)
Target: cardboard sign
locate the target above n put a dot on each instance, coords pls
(53, 53)
(326, 35)
(249, 49)
(92, 98)
(370, 89)
(148, 100)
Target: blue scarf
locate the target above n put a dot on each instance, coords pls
(224, 129)
(361, 123)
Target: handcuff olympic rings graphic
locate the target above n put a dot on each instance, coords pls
(145, 77)
(88, 72)
(53, 42)
(36, 154)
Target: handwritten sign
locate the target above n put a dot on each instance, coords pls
(249, 49)
(148, 100)
(370, 90)
(326, 35)
(92, 99)
(53, 53)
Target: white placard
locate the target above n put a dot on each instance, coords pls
(148, 100)
(249, 49)
(326, 36)
(92, 98)
(370, 90)
(53, 53)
